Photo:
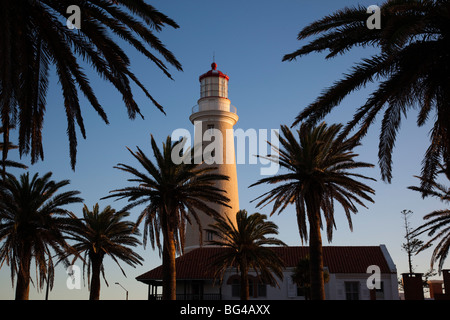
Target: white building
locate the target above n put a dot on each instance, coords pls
(347, 268)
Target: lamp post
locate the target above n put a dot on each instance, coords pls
(123, 289)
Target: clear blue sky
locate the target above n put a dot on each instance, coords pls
(249, 39)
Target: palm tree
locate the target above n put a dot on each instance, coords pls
(32, 221)
(99, 234)
(173, 194)
(33, 39)
(413, 69)
(248, 243)
(438, 225)
(318, 166)
(302, 278)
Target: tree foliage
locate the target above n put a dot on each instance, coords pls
(32, 225)
(318, 172)
(172, 195)
(247, 247)
(33, 39)
(412, 70)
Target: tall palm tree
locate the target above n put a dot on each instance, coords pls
(248, 243)
(99, 234)
(33, 39)
(318, 174)
(32, 222)
(438, 222)
(173, 194)
(412, 67)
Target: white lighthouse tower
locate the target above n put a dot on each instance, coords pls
(214, 118)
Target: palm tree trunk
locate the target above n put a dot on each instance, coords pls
(95, 278)
(244, 281)
(23, 277)
(316, 261)
(169, 270)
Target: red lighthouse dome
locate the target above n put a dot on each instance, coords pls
(214, 73)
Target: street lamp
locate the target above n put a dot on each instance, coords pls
(123, 289)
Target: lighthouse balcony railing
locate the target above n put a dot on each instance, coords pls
(229, 108)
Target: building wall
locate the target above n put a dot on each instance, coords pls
(337, 286)
(282, 292)
(190, 288)
(334, 289)
(287, 290)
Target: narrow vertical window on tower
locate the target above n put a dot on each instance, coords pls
(210, 131)
(205, 87)
(214, 87)
(223, 90)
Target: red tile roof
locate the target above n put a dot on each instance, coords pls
(338, 259)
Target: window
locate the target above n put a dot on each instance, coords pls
(262, 290)
(235, 288)
(352, 290)
(197, 290)
(210, 128)
(255, 288)
(209, 236)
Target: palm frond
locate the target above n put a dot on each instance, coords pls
(34, 39)
(412, 70)
(32, 215)
(246, 246)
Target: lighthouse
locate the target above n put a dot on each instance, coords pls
(213, 118)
